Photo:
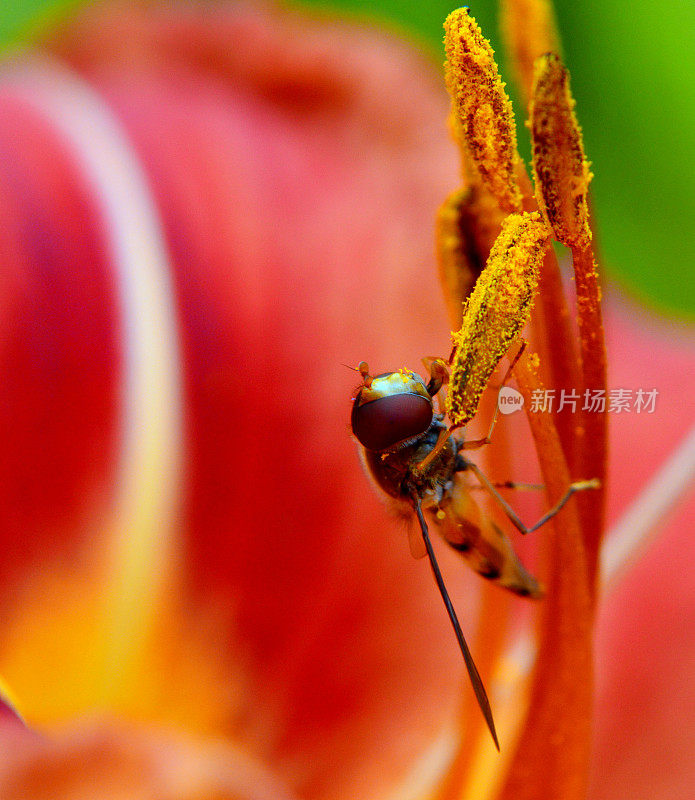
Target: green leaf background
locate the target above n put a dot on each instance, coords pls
(21, 20)
(632, 67)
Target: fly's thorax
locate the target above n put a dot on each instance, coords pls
(394, 471)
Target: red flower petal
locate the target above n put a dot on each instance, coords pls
(296, 169)
(645, 714)
(334, 637)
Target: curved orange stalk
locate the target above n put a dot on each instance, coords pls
(528, 30)
(552, 756)
(559, 354)
(594, 454)
(553, 752)
(562, 182)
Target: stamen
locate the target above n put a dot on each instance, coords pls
(560, 167)
(459, 265)
(467, 225)
(562, 185)
(484, 120)
(496, 311)
(528, 30)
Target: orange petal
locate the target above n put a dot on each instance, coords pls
(114, 761)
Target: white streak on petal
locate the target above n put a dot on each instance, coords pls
(644, 517)
(144, 539)
(426, 773)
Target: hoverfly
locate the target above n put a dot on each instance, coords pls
(419, 466)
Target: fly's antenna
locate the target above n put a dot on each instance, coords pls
(473, 674)
(363, 369)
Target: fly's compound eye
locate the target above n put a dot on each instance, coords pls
(394, 408)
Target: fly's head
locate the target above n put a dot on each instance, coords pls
(391, 409)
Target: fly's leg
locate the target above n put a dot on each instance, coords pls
(474, 444)
(439, 377)
(483, 544)
(577, 486)
(444, 434)
(521, 485)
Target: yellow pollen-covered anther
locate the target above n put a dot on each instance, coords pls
(496, 311)
(560, 168)
(484, 120)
